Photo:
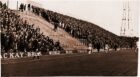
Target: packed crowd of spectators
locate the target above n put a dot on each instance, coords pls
(85, 31)
(19, 36)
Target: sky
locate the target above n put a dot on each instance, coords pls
(105, 13)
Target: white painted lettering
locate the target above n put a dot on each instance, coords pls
(5, 55)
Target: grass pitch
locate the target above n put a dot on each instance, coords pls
(113, 63)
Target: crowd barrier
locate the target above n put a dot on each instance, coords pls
(15, 55)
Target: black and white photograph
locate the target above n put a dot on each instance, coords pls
(69, 37)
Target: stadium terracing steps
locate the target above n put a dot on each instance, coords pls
(66, 40)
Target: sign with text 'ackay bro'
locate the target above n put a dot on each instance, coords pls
(19, 55)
